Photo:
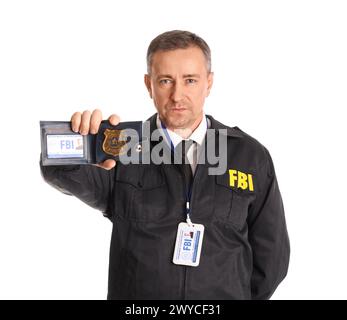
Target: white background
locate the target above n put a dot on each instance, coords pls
(280, 75)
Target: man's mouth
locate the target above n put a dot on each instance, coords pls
(178, 109)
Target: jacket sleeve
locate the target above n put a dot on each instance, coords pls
(90, 184)
(268, 235)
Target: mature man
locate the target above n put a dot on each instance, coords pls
(244, 253)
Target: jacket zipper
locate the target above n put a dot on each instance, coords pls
(190, 208)
(184, 267)
(184, 283)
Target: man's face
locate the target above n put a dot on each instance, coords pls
(178, 84)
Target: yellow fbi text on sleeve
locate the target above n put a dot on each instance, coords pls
(241, 180)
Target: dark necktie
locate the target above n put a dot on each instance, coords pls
(183, 147)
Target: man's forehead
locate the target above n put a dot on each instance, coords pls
(184, 61)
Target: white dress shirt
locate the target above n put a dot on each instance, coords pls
(198, 136)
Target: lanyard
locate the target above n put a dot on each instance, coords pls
(188, 193)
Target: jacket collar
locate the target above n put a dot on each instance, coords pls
(231, 131)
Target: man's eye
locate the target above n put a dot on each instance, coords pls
(191, 81)
(165, 81)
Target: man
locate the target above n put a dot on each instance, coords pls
(245, 247)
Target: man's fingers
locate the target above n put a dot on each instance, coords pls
(114, 119)
(90, 122)
(85, 122)
(107, 164)
(76, 121)
(95, 121)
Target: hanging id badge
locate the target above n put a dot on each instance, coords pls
(188, 244)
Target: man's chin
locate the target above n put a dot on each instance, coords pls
(177, 121)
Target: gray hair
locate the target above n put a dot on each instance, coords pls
(177, 39)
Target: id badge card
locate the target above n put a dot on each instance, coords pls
(188, 244)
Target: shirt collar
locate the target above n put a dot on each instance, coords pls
(198, 134)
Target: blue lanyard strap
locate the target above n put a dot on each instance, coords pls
(188, 199)
(188, 193)
(167, 136)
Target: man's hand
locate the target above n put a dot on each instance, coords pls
(88, 122)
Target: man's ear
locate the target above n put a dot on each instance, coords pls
(148, 84)
(209, 83)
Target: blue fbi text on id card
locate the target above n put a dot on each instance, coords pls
(65, 146)
(188, 244)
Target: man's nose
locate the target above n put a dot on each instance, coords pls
(177, 92)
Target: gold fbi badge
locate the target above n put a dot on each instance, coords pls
(114, 143)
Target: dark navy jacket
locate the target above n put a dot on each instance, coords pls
(245, 252)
